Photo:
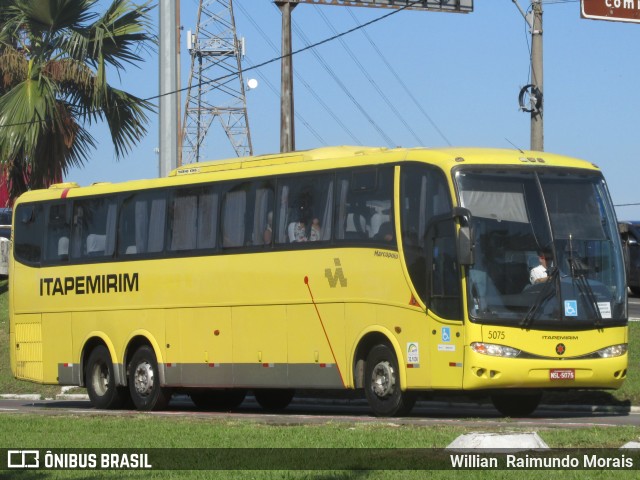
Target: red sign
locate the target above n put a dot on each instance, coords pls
(614, 10)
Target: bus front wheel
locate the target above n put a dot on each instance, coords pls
(100, 381)
(144, 381)
(382, 384)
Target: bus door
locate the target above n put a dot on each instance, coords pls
(444, 305)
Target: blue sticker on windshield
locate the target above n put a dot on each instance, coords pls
(570, 308)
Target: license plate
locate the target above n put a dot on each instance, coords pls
(562, 374)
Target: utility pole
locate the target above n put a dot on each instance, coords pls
(537, 114)
(287, 128)
(169, 99)
(534, 89)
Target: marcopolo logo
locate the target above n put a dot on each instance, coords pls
(337, 276)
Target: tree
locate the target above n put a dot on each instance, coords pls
(54, 56)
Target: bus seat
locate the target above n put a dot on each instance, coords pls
(355, 227)
(131, 249)
(96, 244)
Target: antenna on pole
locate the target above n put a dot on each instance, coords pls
(216, 91)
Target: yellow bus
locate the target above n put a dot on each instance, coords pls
(390, 271)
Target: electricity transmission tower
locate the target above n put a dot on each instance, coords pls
(216, 89)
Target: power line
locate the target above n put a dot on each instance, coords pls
(259, 65)
(304, 83)
(373, 83)
(399, 79)
(298, 116)
(344, 88)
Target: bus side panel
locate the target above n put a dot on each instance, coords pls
(447, 353)
(27, 347)
(414, 341)
(200, 342)
(311, 360)
(57, 348)
(260, 353)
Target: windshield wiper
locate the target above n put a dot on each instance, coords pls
(577, 269)
(548, 291)
(585, 290)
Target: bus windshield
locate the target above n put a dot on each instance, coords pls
(546, 253)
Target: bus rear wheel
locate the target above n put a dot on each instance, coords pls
(144, 381)
(221, 399)
(274, 398)
(516, 404)
(100, 381)
(382, 384)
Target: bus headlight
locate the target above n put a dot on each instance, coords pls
(613, 351)
(494, 350)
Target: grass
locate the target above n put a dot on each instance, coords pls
(141, 431)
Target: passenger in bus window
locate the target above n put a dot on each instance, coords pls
(297, 232)
(315, 234)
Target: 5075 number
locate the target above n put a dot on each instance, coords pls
(496, 335)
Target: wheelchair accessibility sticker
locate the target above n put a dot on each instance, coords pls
(446, 334)
(570, 308)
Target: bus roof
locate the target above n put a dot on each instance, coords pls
(316, 159)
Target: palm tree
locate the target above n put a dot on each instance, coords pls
(54, 56)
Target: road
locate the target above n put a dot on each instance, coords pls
(306, 411)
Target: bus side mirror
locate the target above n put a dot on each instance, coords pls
(465, 246)
(465, 236)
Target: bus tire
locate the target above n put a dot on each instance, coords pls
(382, 384)
(144, 381)
(516, 404)
(218, 399)
(274, 398)
(100, 381)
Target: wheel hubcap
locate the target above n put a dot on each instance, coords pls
(144, 379)
(383, 379)
(100, 379)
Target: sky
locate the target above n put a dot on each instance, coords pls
(465, 72)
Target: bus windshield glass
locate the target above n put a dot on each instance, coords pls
(546, 253)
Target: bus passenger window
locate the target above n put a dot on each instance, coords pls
(305, 209)
(365, 207)
(142, 224)
(93, 231)
(234, 210)
(57, 236)
(194, 215)
(28, 233)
